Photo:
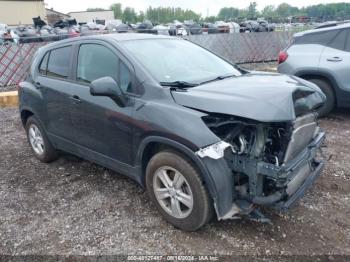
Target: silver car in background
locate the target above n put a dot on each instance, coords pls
(322, 56)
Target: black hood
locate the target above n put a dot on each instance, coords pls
(263, 97)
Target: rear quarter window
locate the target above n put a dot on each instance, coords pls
(339, 41)
(347, 44)
(321, 38)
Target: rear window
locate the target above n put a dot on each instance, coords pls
(59, 61)
(321, 38)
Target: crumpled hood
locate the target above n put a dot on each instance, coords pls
(264, 97)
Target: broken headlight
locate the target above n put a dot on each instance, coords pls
(264, 141)
(214, 151)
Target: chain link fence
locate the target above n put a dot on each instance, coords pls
(245, 48)
(15, 59)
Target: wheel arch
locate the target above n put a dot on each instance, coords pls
(215, 173)
(25, 114)
(312, 74)
(154, 144)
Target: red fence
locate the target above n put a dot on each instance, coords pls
(15, 59)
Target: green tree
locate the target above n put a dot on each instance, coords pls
(95, 9)
(169, 14)
(129, 15)
(285, 10)
(268, 11)
(210, 19)
(228, 13)
(117, 10)
(252, 12)
(141, 16)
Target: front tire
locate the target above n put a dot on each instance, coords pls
(175, 187)
(38, 141)
(330, 96)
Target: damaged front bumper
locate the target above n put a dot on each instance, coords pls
(291, 180)
(301, 174)
(288, 178)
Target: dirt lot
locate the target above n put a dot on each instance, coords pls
(75, 207)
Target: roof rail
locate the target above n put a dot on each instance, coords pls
(331, 24)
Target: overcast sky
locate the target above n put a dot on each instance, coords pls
(200, 6)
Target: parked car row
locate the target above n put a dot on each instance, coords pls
(256, 26)
(62, 29)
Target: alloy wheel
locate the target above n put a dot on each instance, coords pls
(173, 192)
(36, 139)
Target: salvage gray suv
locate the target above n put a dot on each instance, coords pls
(203, 136)
(322, 56)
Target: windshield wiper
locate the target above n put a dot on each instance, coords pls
(180, 84)
(216, 79)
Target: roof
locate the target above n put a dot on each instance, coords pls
(324, 29)
(331, 24)
(134, 36)
(114, 37)
(54, 11)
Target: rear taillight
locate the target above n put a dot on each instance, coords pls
(283, 55)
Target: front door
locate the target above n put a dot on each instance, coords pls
(102, 127)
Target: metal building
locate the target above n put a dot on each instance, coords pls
(92, 16)
(16, 12)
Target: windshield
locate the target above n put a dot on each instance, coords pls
(170, 60)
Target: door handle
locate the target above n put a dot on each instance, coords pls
(37, 85)
(335, 59)
(75, 98)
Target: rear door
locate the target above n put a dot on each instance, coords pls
(335, 59)
(305, 52)
(54, 81)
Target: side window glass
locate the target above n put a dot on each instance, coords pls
(322, 38)
(347, 45)
(59, 61)
(96, 61)
(339, 41)
(43, 64)
(124, 78)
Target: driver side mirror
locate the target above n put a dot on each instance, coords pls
(107, 86)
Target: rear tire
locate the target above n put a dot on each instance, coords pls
(38, 141)
(174, 165)
(330, 96)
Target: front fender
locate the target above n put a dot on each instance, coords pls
(341, 95)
